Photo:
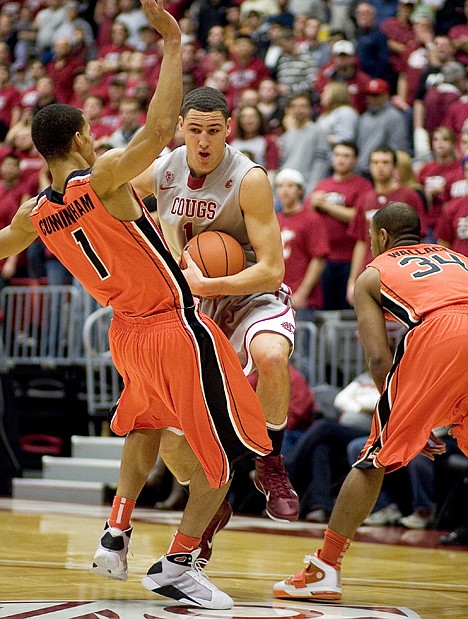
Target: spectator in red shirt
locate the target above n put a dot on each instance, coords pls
(302, 409)
(92, 109)
(45, 93)
(190, 64)
(219, 79)
(94, 72)
(216, 57)
(110, 53)
(439, 97)
(459, 37)
(457, 114)
(10, 110)
(115, 94)
(415, 60)
(104, 15)
(452, 227)
(305, 244)
(80, 90)
(13, 192)
(399, 32)
(151, 45)
(463, 144)
(135, 73)
(62, 69)
(247, 70)
(18, 142)
(440, 54)
(386, 189)
(334, 199)
(344, 68)
(35, 70)
(457, 183)
(433, 175)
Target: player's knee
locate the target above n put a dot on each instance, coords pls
(272, 359)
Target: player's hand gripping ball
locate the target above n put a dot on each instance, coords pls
(216, 254)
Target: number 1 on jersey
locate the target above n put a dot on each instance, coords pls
(82, 240)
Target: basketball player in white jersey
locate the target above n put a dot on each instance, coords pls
(208, 185)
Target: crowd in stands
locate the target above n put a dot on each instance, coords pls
(310, 84)
(347, 104)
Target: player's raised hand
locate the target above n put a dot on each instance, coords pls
(160, 19)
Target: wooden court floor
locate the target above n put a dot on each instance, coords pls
(46, 551)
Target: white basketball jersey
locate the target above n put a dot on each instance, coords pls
(188, 206)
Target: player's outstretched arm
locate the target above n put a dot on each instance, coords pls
(20, 233)
(113, 169)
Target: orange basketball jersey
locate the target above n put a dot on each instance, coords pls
(419, 279)
(107, 255)
(179, 370)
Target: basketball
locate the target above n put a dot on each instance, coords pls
(215, 253)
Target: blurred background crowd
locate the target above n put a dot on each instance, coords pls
(314, 87)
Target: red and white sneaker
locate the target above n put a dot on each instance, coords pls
(317, 581)
(271, 478)
(218, 522)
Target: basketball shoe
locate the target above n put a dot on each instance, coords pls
(317, 581)
(180, 576)
(110, 559)
(218, 522)
(271, 478)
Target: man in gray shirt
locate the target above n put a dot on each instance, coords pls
(380, 125)
(303, 145)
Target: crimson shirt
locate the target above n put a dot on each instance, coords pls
(395, 30)
(370, 202)
(433, 172)
(304, 237)
(453, 225)
(345, 193)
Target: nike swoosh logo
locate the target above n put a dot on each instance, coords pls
(169, 187)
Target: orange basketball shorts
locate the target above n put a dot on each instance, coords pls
(426, 387)
(180, 371)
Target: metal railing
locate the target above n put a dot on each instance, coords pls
(54, 326)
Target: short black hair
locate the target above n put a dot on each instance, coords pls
(53, 129)
(387, 150)
(348, 144)
(205, 99)
(399, 219)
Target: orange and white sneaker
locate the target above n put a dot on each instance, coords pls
(317, 581)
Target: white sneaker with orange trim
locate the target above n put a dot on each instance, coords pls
(317, 581)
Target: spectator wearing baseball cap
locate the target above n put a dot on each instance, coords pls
(377, 87)
(343, 48)
(305, 244)
(380, 125)
(343, 67)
